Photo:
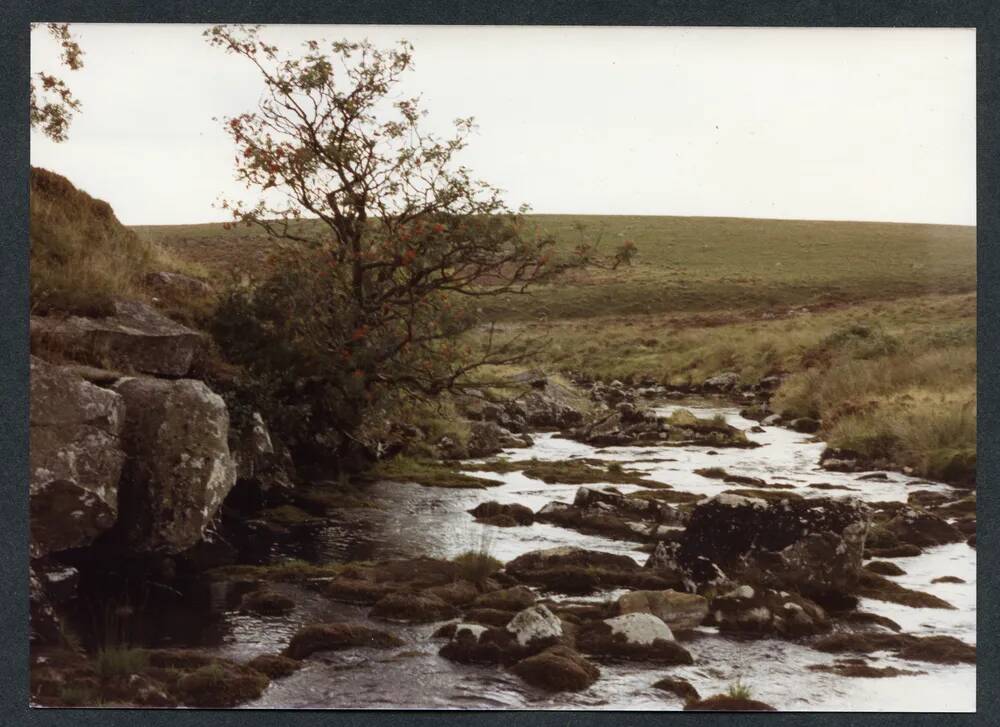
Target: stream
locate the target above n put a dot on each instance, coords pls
(412, 520)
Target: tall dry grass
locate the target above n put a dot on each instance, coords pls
(82, 257)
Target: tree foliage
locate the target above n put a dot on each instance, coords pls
(52, 105)
(393, 242)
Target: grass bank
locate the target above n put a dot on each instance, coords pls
(82, 257)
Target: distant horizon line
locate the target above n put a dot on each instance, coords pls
(619, 214)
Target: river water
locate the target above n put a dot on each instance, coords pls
(412, 520)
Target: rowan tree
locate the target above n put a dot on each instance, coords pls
(394, 243)
(52, 105)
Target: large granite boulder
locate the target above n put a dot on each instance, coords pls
(814, 546)
(529, 632)
(579, 571)
(639, 636)
(557, 669)
(179, 467)
(548, 404)
(765, 612)
(136, 339)
(75, 459)
(680, 611)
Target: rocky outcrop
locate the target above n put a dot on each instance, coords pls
(557, 669)
(813, 546)
(579, 571)
(722, 383)
(515, 598)
(634, 636)
(606, 511)
(680, 611)
(528, 633)
(917, 527)
(765, 612)
(136, 339)
(488, 438)
(261, 461)
(629, 424)
(548, 405)
(336, 636)
(179, 468)
(411, 607)
(727, 703)
(504, 515)
(75, 459)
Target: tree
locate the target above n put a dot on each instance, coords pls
(52, 105)
(398, 242)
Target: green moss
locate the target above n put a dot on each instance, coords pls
(220, 685)
(429, 474)
(290, 515)
(74, 696)
(115, 662)
(294, 571)
(666, 495)
(568, 472)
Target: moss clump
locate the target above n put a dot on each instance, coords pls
(221, 685)
(274, 665)
(266, 603)
(569, 472)
(293, 571)
(666, 495)
(727, 703)
(871, 585)
(429, 474)
(290, 516)
(117, 661)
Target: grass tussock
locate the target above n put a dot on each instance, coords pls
(478, 564)
(739, 690)
(82, 257)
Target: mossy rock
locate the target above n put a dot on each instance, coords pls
(725, 703)
(872, 585)
(266, 603)
(220, 685)
(557, 669)
(275, 666)
(338, 636)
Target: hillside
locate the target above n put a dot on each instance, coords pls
(693, 263)
(82, 257)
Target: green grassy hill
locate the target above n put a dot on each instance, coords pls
(694, 263)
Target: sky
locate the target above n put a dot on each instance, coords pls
(834, 124)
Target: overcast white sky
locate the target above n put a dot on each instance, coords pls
(784, 123)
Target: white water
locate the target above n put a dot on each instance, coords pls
(427, 521)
